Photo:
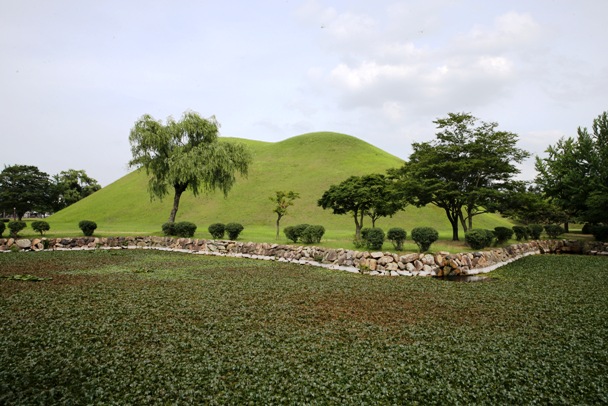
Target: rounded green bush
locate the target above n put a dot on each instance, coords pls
(535, 231)
(521, 232)
(374, 238)
(600, 232)
(217, 230)
(185, 229)
(424, 237)
(16, 226)
(479, 238)
(587, 228)
(503, 234)
(168, 228)
(234, 230)
(87, 227)
(295, 232)
(397, 236)
(312, 234)
(40, 226)
(554, 230)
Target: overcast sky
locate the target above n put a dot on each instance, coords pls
(76, 74)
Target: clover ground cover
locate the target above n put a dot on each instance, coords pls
(149, 327)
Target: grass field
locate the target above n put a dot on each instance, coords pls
(148, 327)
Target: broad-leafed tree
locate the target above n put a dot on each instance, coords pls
(282, 200)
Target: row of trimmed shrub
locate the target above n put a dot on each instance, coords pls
(187, 229)
(373, 238)
(306, 233)
(40, 226)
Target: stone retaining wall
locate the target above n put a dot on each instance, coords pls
(374, 263)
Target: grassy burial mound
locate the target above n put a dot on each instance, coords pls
(307, 164)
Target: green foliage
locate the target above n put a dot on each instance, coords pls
(312, 234)
(185, 229)
(2, 228)
(185, 155)
(554, 230)
(217, 230)
(424, 237)
(464, 171)
(568, 163)
(88, 227)
(535, 231)
(71, 186)
(234, 230)
(295, 232)
(397, 236)
(283, 334)
(503, 234)
(600, 232)
(587, 227)
(373, 195)
(521, 232)
(25, 188)
(282, 200)
(374, 238)
(40, 226)
(479, 238)
(16, 227)
(168, 229)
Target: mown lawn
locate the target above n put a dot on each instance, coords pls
(148, 327)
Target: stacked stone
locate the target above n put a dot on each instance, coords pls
(373, 263)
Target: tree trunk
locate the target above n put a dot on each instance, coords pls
(358, 226)
(278, 226)
(470, 218)
(453, 218)
(567, 227)
(179, 189)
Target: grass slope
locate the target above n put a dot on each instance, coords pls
(307, 164)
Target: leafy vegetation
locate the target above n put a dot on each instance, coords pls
(185, 229)
(294, 233)
(16, 227)
(312, 234)
(88, 227)
(479, 238)
(373, 237)
(397, 236)
(217, 230)
(185, 155)
(424, 237)
(212, 330)
(40, 226)
(282, 200)
(234, 230)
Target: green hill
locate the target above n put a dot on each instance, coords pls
(307, 164)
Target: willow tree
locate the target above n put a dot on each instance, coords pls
(185, 154)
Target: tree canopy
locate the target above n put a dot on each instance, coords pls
(361, 196)
(574, 174)
(462, 171)
(25, 188)
(185, 155)
(73, 185)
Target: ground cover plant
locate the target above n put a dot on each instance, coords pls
(152, 327)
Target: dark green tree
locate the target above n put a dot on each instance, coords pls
(361, 196)
(185, 154)
(282, 200)
(73, 185)
(574, 174)
(386, 199)
(463, 171)
(25, 188)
